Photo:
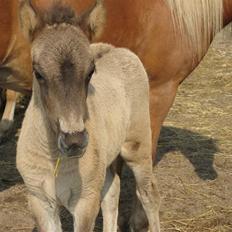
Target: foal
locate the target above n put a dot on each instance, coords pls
(89, 104)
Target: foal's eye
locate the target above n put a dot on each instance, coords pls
(38, 76)
(88, 78)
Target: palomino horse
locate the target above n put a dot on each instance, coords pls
(15, 61)
(170, 37)
(89, 104)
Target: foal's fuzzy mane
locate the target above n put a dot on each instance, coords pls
(58, 14)
(200, 19)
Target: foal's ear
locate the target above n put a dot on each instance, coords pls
(29, 18)
(92, 21)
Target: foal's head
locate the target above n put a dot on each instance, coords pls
(63, 66)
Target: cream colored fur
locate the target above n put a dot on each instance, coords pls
(119, 121)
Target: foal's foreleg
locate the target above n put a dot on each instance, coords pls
(45, 214)
(85, 212)
(110, 201)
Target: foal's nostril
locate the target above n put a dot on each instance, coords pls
(71, 142)
(61, 142)
(79, 139)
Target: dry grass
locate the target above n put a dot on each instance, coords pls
(195, 147)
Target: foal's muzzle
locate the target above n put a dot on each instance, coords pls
(73, 144)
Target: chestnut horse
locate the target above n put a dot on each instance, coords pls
(170, 36)
(15, 61)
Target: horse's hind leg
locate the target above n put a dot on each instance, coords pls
(110, 201)
(8, 115)
(138, 157)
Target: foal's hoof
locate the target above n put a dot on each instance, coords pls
(138, 221)
(133, 226)
(139, 229)
(5, 126)
(139, 224)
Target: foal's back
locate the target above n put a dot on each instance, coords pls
(118, 101)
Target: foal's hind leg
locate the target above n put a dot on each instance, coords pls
(138, 157)
(110, 201)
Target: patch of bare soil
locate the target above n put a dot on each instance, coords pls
(194, 156)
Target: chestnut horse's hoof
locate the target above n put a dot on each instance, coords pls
(5, 127)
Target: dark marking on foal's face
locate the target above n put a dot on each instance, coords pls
(63, 66)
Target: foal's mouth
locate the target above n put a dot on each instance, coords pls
(73, 151)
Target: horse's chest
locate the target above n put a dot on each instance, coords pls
(68, 186)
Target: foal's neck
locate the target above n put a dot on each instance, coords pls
(43, 130)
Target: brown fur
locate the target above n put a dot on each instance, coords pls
(14, 51)
(150, 35)
(15, 60)
(147, 28)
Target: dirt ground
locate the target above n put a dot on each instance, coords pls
(194, 156)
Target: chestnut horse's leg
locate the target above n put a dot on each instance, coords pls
(8, 115)
(161, 99)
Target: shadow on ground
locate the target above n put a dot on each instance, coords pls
(198, 149)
